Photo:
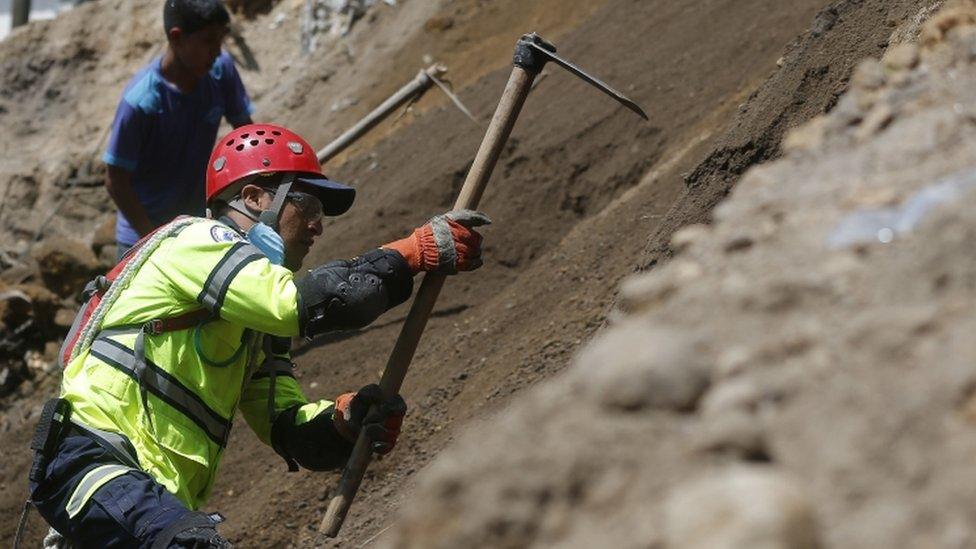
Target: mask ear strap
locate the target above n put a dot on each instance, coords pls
(271, 216)
(238, 205)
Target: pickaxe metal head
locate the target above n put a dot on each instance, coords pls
(532, 52)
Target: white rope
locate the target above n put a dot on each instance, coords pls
(94, 325)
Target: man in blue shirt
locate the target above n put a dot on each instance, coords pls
(167, 121)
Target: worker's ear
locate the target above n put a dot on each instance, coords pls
(255, 198)
(174, 35)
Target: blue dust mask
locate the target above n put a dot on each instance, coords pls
(268, 241)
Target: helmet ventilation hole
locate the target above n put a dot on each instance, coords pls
(269, 141)
(254, 142)
(260, 132)
(275, 132)
(240, 147)
(244, 135)
(231, 142)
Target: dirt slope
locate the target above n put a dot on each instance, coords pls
(799, 376)
(574, 198)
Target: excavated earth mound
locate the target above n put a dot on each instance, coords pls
(800, 375)
(584, 194)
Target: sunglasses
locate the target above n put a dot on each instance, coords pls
(308, 205)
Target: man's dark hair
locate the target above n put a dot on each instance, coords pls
(193, 15)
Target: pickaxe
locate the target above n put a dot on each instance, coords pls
(409, 92)
(531, 54)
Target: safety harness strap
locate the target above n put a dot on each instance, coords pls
(119, 278)
(218, 282)
(163, 385)
(272, 215)
(195, 529)
(184, 321)
(275, 366)
(271, 367)
(115, 444)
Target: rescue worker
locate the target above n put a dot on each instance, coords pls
(195, 323)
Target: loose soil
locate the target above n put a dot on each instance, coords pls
(584, 194)
(799, 375)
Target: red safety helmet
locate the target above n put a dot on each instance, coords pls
(262, 149)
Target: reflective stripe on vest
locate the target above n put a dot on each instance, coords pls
(166, 387)
(90, 483)
(215, 288)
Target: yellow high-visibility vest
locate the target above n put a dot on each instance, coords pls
(177, 405)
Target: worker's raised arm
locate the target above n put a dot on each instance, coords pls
(349, 294)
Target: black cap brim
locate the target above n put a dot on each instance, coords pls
(336, 198)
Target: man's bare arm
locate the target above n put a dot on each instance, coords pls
(119, 186)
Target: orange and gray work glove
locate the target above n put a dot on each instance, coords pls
(446, 244)
(355, 412)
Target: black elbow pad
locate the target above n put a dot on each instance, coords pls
(315, 445)
(349, 294)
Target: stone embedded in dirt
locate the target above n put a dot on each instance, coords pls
(642, 292)
(736, 433)
(16, 307)
(439, 23)
(104, 234)
(21, 273)
(64, 318)
(876, 120)
(742, 507)
(740, 394)
(938, 27)
(51, 350)
(35, 361)
(8, 380)
(45, 305)
(807, 137)
(901, 57)
(869, 75)
(66, 265)
(331, 19)
(688, 235)
(665, 372)
(250, 8)
(108, 257)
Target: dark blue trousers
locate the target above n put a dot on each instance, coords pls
(129, 510)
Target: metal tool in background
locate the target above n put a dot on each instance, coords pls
(19, 13)
(531, 55)
(412, 91)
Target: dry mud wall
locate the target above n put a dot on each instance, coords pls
(571, 205)
(800, 375)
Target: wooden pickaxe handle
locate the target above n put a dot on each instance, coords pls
(517, 89)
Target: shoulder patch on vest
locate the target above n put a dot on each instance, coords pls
(224, 234)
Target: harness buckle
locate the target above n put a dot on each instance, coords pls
(100, 283)
(153, 327)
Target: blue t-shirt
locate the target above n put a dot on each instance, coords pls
(164, 137)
